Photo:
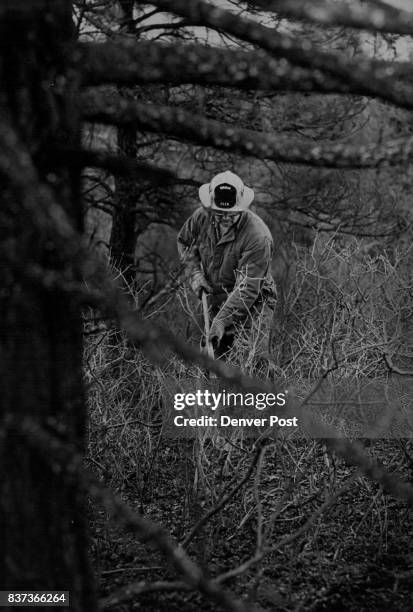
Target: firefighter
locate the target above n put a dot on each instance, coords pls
(226, 250)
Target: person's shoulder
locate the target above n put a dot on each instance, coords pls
(199, 215)
(255, 226)
(200, 212)
(197, 219)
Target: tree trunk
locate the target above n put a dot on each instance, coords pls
(123, 236)
(43, 532)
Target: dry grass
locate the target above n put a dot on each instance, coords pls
(304, 531)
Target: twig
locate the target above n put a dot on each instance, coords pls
(131, 568)
(327, 504)
(62, 458)
(258, 504)
(204, 519)
(99, 465)
(394, 369)
(138, 588)
(260, 554)
(153, 425)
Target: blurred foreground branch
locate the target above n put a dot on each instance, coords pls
(358, 72)
(64, 460)
(184, 125)
(104, 292)
(360, 17)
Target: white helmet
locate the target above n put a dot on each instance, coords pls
(226, 191)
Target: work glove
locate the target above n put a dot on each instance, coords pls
(199, 284)
(216, 332)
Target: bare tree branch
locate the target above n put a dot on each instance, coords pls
(132, 63)
(360, 17)
(130, 591)
(187, 126)
(154, 341)
(63, 459)
(394, 369)
(288, 539)
(223, 502)
(50, 219)
(124, 166)
(357, 72)
(135, 63)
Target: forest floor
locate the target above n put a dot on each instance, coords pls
(334, 540)
(355, 555)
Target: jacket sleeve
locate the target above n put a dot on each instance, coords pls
(252, 271)
(187, 246)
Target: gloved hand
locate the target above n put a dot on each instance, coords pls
(199, 284)
(216, 332)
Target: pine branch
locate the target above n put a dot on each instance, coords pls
(360, 17)
(184, 125)
(137, 63)
(358, 73)
(129, 62)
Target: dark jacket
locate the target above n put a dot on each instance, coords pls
(237, 265)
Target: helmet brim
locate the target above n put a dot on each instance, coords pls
(243, 202)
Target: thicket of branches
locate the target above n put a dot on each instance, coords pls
(272, 94)
(296, 105)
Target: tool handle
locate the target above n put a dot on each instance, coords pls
(208, 344)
